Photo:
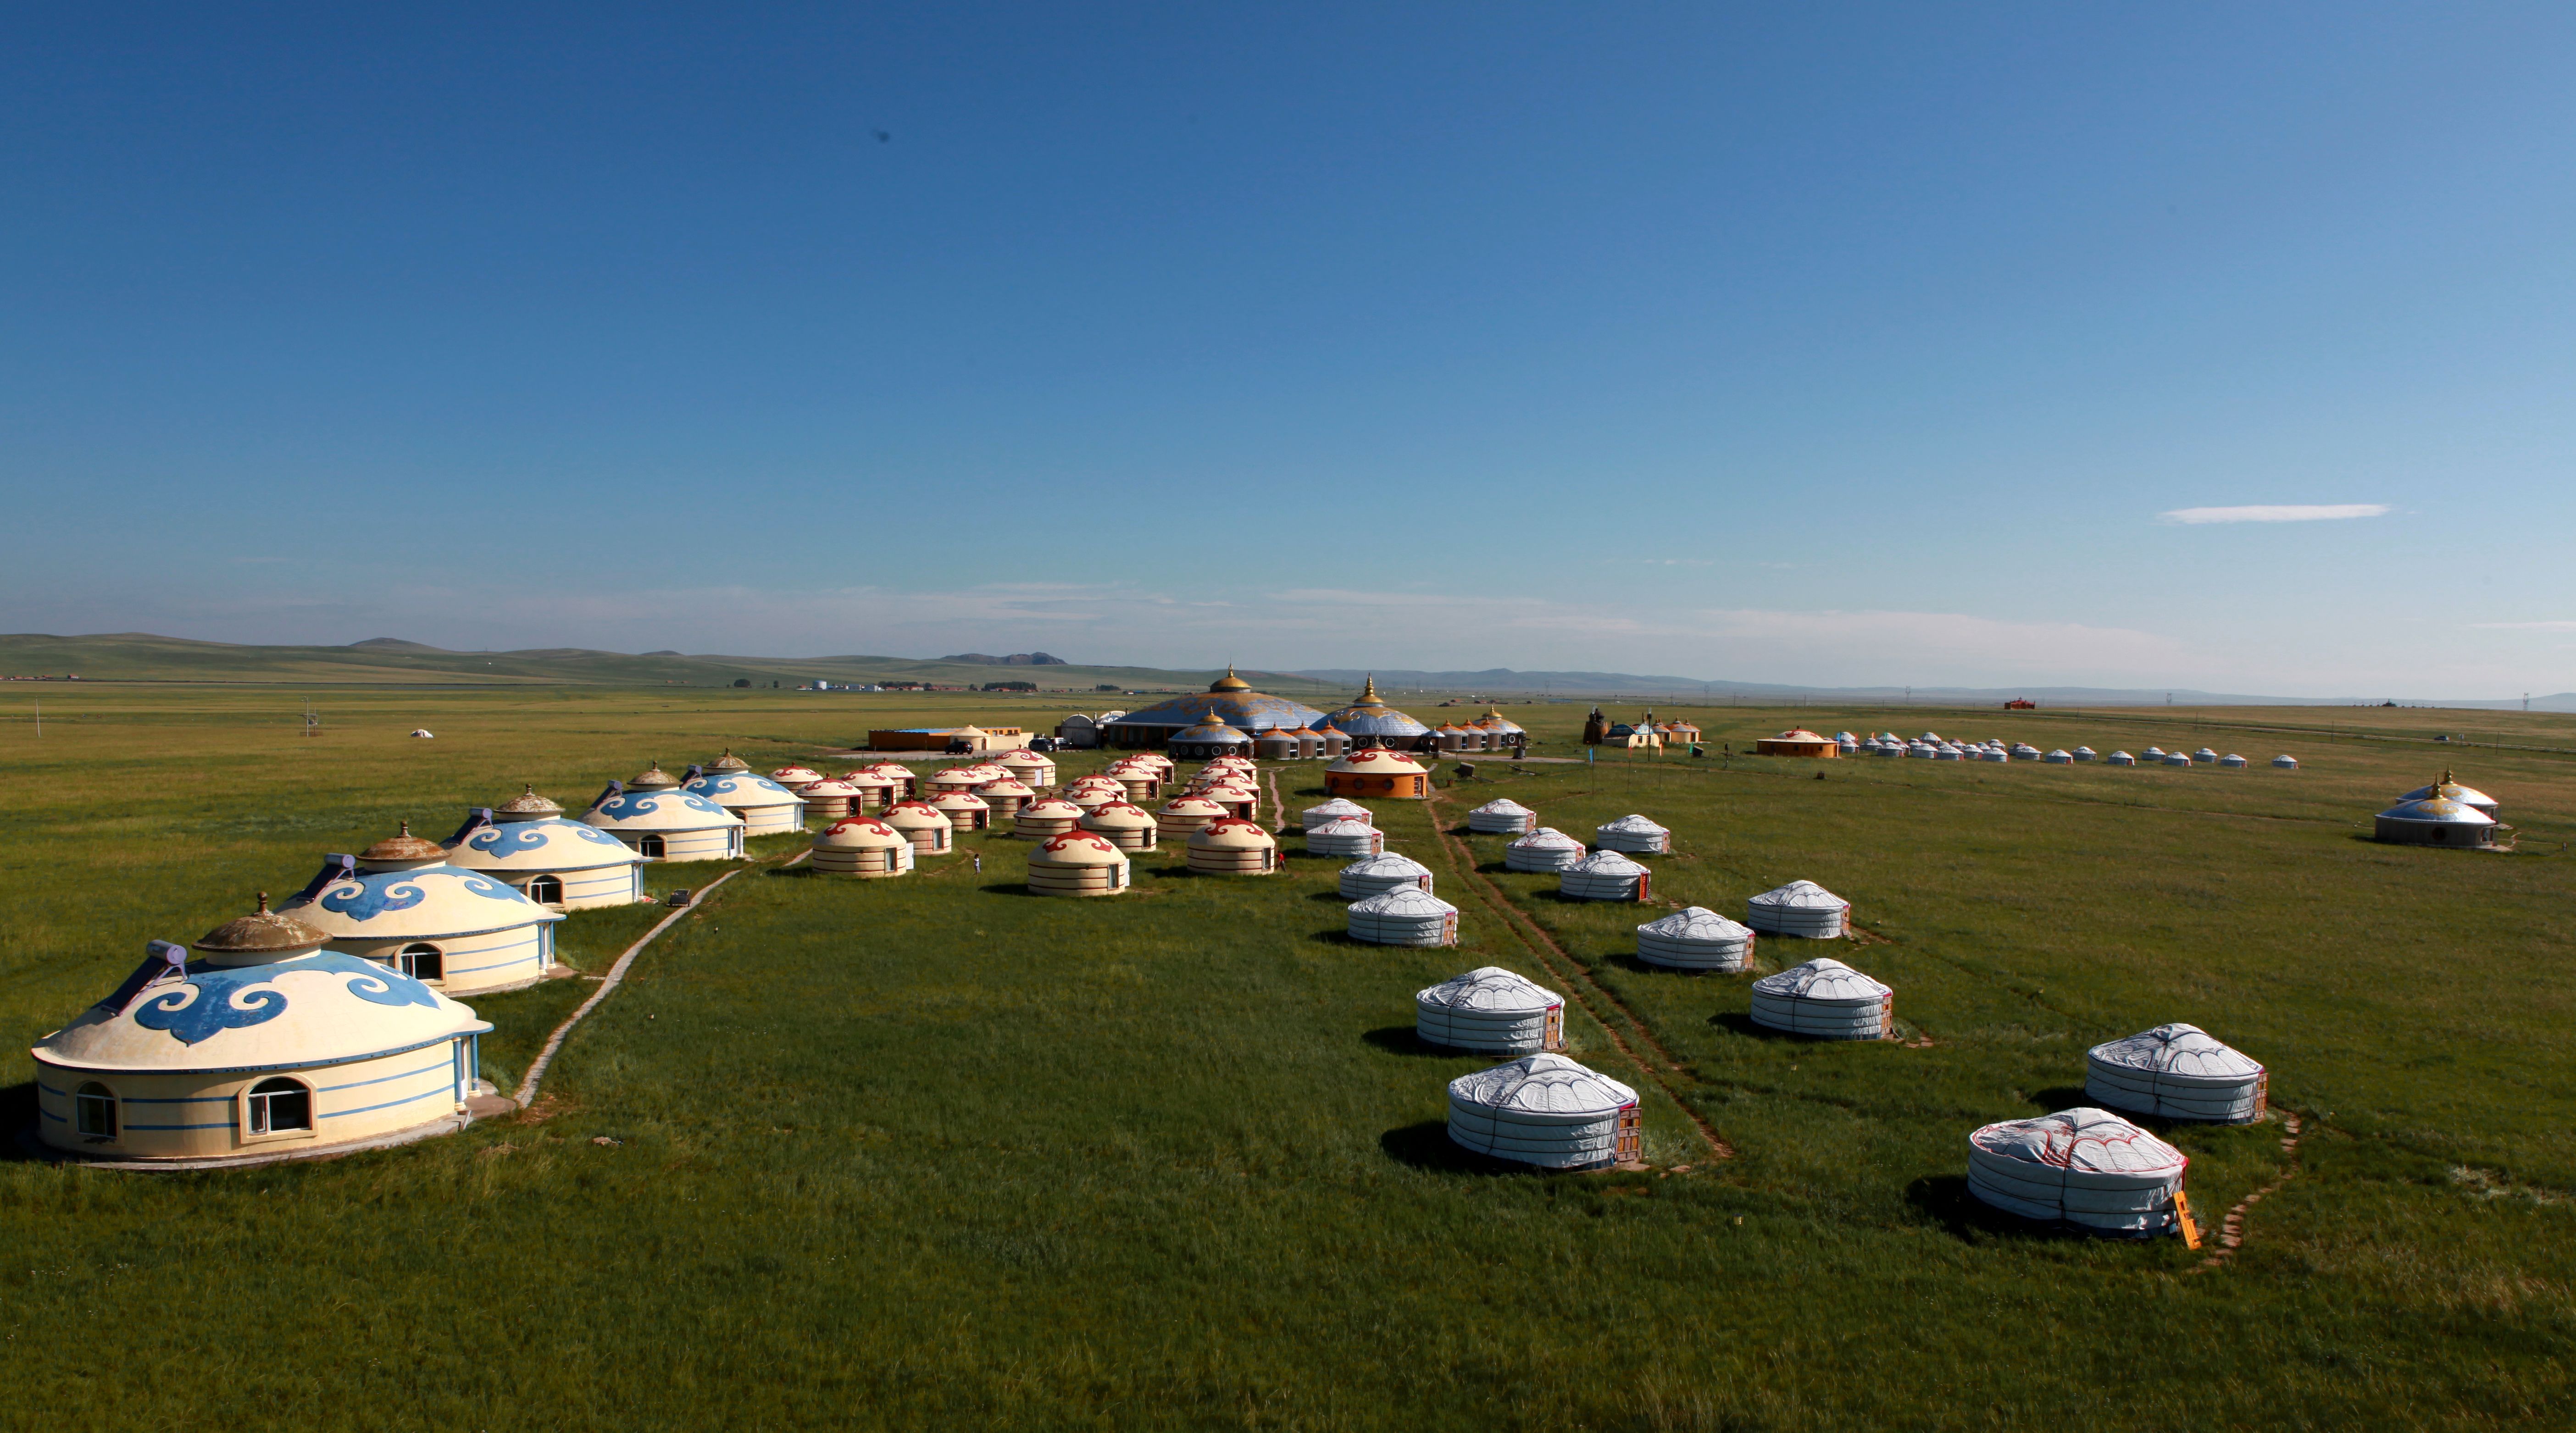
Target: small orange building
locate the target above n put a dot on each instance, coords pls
(1797, 741)
(1376, 771)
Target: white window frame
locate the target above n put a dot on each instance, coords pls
(92, 1093)
(555, 899)
(650, 846)
(404, 958)
(256, 1114)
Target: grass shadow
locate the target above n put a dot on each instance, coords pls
(1328, 896)
(1007, 888)
(1944, 1199)
(18, 1114)
(2060, 1097)
(1406, 1040)
(1338, 937)
(1739, 1023)
(1427, 1146)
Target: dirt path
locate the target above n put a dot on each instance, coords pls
(2231, 1230)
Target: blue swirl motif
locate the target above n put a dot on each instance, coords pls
(630, 806)
(520, 837)
(714, 786)
(213, 998)
(366, 897)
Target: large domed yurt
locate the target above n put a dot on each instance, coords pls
(1545, 849)
(1344, 838)
(527, 843)
(766, 808)
(1128, 827)
(965, 810)
(1005, 795)
(1404, 917)
(1545, 1110)
(1633, 834)
(1210, 737)
(1027, 767)
(924, 825)
(1502, 817)
(1183, 814)
(1695, 939)
(1368, 718)
(1233, 848)
(1336, 809)
(2450, 790)
(862, 846)
(1228, 701)
(1376, 875)
(2435, 821)
(1376, 771)
(1800, 908)
(2176, 1072)
(1606, 876)
(1044, 817)
(266, 1046)
(1491, 1011)
(829, 798)
(665, 823)
(1825, 999)
(2084, 1166)
(399, 902)
(1079, 863)
(1797, 741)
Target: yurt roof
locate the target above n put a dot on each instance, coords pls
(914, 813)
(1548, 838)
(1230, 701)
(2177, 1050)
(832, 786)
(1387, 866)
(1051, 806)
(741, 788)
(1079, 848)
(2450, 790)
(1502, 806)
(1004, 786)
(1341, 826)
(868, 778)
(792, 777)
(663, 810)
(859, 833)
(1094, 783)
(1823, 978)
(1696, 923)
(1375, 759)
(1210, 730)
(1606, 863)
(1192, 806)
(1023, 758)
(1801, 895)
(1405, 901)
(527, 806)
(960, 801)
(2083, 1140)
(1119, 814)
(1494, 718)
(1490, 988)
(895, 769)
(434, 901)
(552, 844)
(1543, 1084)
(2437, 811)
(1231, 834)
(727, 764)
(1369, 715)
(263, 932)
(1799, 733)
(653, 778)
(298, 1011)
(1338, 806)
(401, 851)
(1634, 825)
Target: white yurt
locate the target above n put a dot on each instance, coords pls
(965, 810)
(2024, 751)
(1696, 939)
(1027, 767)
(1344, 838)
(1143, 782)
(2086, 753)
(2153, 754)
(1548, 1111)
(1005, 795)
(267, 1046)
(1503, 817)
(862, 846)
(766, 808)
(1044, 817)
(2087, 1167)
(1825, 999)
(1491, 1011)
(1606, 876)
(555, 862)
(925, 826)
(1633, 834)
(1233, 848)
(1081, 863)
(2437, 821)
(1376, 875)
(1336, 809)
(2119, 758)
(1240, 799)
(1183, 814)
(666, 823)
(1847, 744)
(2450, 790)
(1545, 849)
(1093, 791)
(828, 799)
(2205, 757)
(1404, 917)
(1800, 908)
(905, 782)
(955, 778)
(2286, 762)
(1129, 828)
(1946, 752)
(875, 792)
(2176, 1072)
(2059, 757)
(2177, 758)
(2232, 762)
(400, 904)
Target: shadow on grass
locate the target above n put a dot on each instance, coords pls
(1340, 937)
(1329, 896)
(1944, 1199)
(1008, 888)
(1427, 1146)
(1742, 1024)
(18, 1116)
(2060, 1097)
(1405, 1040)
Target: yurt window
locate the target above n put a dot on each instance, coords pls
(94, 1111)
(278, 1105)
(421, 962)
(649, 847)
(545, 888)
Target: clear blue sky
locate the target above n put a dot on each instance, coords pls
(1803, 344)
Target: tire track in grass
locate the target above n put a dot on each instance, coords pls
(2231, 1230)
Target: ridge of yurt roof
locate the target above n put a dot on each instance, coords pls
(653, 778)
(893, 770)
(914, 813)
(661, 809)
(1021, 758)
(526, 806)
(1606, 863)
(1369, 715)
(741, 788)
(1404, 901)
(1375, 758)
(299, 1011)
(1118, 814)
(1232, 834)
(1490, 988)
(1229, 700)
(868, 780)
(400, 851)
(1094, 782)
(1801, 895)
(959, 801)
(859, 833)
(1544, 1085)
(1005, 786)
(1387, 865)
(2083, 1140)
(1548, 837)
(827, 787)
(1823, 978)
(1193, 805)
(1502, 806)
(263, 932)
(554, 843)
(2451, 790)
(727, 764)
(2437, 811)
(1696, 923)
(426, 901)
(1051, 806)
(2180, 1050)
(1633, 824)
(792, 776)
(1079, 848)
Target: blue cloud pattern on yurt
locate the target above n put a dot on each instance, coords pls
(227, 998)
(364, 897)
(646, 803)
(520, 837)
(712, 786)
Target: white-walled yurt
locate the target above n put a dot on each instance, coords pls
(2024, 751)
(1336, 809)
(667, 824)
(965, 810)
(1233, 848)
(1344, 838)
(2176, 1072)
(2086, 1167)
(2437, 821)
(1241, 799)
(1376, 875)
(1633, 834)
(1183, 814)
(2060, 756)
(1005, 795)
(1545, 849)
(1091, 791)
(2086, 753)
(766, 808)
(1800, 908)
(1128, 827)
(1404, 917)
(794, 777)
(2286, 762)
(1503, 817)
(2153, 753)
(1696, 939)
(527, 843)
(954, 778)
(400, 904)
(862, 846)
(905, 781)
(1044, 817)
(2119, 758)
(925, 826)
(1027, 767)
(2204, 757)
(1080, 863)
(2232, 762)
(1548, 1111)
(875, 792)
(1825, 999)
(1144, 782)
(1491, 1011)
(1606, 876)
(828, 799)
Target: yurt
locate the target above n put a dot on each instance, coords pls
(2086, 753)
(1996, 753)
(667, 824)
(1005, 795)
(2436, 821)
(266, 1046)
(766, 808)
(862, 846)
(1143, 782)
(400, 904)
(1093, 791)
(795, 778)
(1605, 876)
(2232, 762)
(2204, 757)
(1278, 744)
(1183, 814)
(874, 792)
(1233, 848)
(1548, 1111)
(2177, 758)
(1229, 701)
(2176, 1072)
(1369, 718)
(1697, 939)
(1491, 1011)
(1237, 766)
(828, 799)
(2062, 757)
(527, 843)
(1336, 810)
(1376, 771)
(965, 810)
(1078, 863)
(1633, 834)
(1044, 817)
(2153, 753)
(1329, 741)
(905, 783)
(1800, 908)
(2086, 1167)
(1376, 875)
(1451, 737)
(925, 826)
(954, 778)
(1344, 838)
(1210, 737)
(1404, 917)
(1797, 741)
(1129, 827)
(1509, 735)
(2450, 790)
(2024, 751)
(1545, 849)
(2286, 762)
(1028, 768)
(1503, 817)
(1826, 999)
(2119, 758)
(1241, 799)
(1847, 744)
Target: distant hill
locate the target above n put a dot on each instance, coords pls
(1597, 684)
(1016, 659)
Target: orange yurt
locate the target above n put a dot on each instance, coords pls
(1797, 741)
(1376, 771)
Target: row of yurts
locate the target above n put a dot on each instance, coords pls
(1932, 746)
(1232, 719)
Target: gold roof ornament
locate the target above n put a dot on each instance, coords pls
(1229, 682)
(263, 932)
(1368, 693)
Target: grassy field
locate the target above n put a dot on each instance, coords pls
(931, 1151)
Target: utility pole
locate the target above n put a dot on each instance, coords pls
(40, 717)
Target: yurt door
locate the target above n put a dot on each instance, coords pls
(1630, 1144)
(1555, 1038)
(1887, 1016)
(1645, 887)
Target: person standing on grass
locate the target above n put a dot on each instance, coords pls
(979, 862)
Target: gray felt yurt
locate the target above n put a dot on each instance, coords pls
(2176, 1072)
(1337, 809)
(1605, 876)
(1376, 875)
(2286, 762)
(1695, 939)
(1492, 1011)
(2119, 758)
(1800, 908)
(1344, 838)
(1545, 849)
(1826, 999)
(2085, 1167)
(1404, 917)
(1545, 1110)
(1503, 817)
(1633, 834)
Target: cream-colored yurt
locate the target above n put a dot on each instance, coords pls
(1044, 817)
(862, 846)
(1376, 771)
(1633, 834)
(2176, 1072)
(795, 778)
(667, 824)
(399, 903)
(1800, 908)
(1548, 1111)
(1183, 814)
(1031, 770)
(766, 808)
(1404, 917)
(1502, 817)
(1128, 827)
(925, 826)
(1545, 849)
(1143, 782)
(1005, 795)
(1344, 838)
(1606, 876)
(1376, 875)
(2437, 821)
(1241, 799)
(954, 778)
(828, 799)
(568, 865)
(1233, 848)
(266, 1046)
(1491, 1011)
(1078, 863)
(1826, 999)
(965, 810)
(905, 782)
(1696, 939)
(874, 792)
(2087, 1167)
(1090, 791)
(1336, 809)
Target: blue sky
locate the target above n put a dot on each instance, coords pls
(1815, 344)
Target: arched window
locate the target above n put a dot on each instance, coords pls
(421, 962)
(94, 1111)
(649, 847)
(546, 889)
(278, 1105)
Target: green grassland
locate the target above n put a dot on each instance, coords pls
(933, 1152)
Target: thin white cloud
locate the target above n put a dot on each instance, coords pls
(2523, 626)
(2276, 512)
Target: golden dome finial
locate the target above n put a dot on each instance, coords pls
(1229, 682)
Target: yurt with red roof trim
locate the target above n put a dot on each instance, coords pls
(965, 810)
(829, 798)
(1078, 863)
(1233, 848)
(1183, 814)
(925, 826)
(1044, 817)
(2086, 1167)
(1129, 827)
(1378, 772)
(1006, 795)
(862, 846)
